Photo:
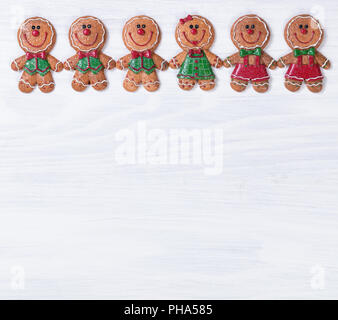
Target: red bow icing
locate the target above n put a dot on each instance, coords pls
(41, 55)
(197, 51)
(92, 53)
(184, 20)
(136, 54)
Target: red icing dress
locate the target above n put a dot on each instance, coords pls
(255, 72)
(309, 72)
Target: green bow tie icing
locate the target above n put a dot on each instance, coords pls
(306, 52)
(256, 52)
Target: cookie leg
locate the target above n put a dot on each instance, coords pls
(260, 86)
(315, 86)
(46, 83)
(293, 85)
(132, 81)
(27, 82)
(206, 84)
(186, 84)
(150, 82)
(80, 81)
(98, 81)
(238, 85)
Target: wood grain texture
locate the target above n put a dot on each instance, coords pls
(83, 226)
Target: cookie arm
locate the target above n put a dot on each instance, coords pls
(232, 60)
(177, 61)
(214, 60)
(160, 63)
(123, 62)
(322, 61)
(108, 62)
(71, 63)
(55, 64)
(18, 63)
(268, 61)
(286, 60)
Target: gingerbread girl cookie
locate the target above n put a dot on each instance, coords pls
(304, 35)
(250, 34)
(37, 38)
(87, 35)
(195, 35)
(141, 35)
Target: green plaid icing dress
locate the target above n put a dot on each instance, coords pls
(196, 66)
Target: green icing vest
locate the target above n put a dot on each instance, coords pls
(89, 64)
(37, 65)
(142, 64)
(196, 66)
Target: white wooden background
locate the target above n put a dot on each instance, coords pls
(75, 224)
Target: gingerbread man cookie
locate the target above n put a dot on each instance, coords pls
(304, 35)
(195, 35)
(87, 35)
(250, 34)
(141, 35)
(37, 38)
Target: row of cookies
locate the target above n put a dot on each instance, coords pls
(194, 34)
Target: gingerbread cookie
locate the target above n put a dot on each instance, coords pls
(195, 35)
(250, 34)
(141, 35)
(304, 35)
(87, 35)
(36, 37)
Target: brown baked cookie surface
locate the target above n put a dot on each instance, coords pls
(250, 35)
(195, 35)
(304, 35)
(141, 35)
(87, 36)
(36, 37)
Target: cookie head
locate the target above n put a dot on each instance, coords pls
(303, 32)
(87, 34)
(141, 33)
(36, 35)
(194, 32)
(250, 32)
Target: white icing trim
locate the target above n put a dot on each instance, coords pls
(302, 79)
(239, 83)
(206, 84)
(88, 85)
(271, 63)
(325, 63)
(121, 62)
(99, 82)
(303, 17)
(315, 84)
(293, 83)
(228, 61)
(47, 84)
(27, 83)
(247, 79)
(85, 18)
(16, 65)
(174, 61)
(141, 17)
(36, 19)
(217, 60)
(261, 84)
(111, 59)
(281, 60)
(142, 84)
(259, 45)
(68, 64)
(56, 66)
(210, 33)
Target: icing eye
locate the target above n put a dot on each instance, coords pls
(38, 27)
(84, 26)
(33, 27)
(247, 26)
(197, 26)
(138, 26)
(89, 26)
(191, 26)
(253, 26)
(143, 26)
(300, 26)
(306, 26)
